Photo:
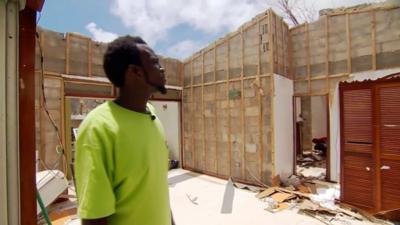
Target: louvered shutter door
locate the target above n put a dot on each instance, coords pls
(357, 158)
(389, 122)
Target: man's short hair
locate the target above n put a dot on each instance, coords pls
(120, 53)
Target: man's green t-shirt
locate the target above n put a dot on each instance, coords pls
(121, 167)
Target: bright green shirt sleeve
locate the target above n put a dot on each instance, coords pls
(93, 173)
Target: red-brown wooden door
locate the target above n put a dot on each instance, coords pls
(357, 155)
(388, 96)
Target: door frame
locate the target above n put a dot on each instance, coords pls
(328, 150)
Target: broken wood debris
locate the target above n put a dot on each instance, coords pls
(321, 205)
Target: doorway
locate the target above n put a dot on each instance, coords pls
(311, 137)
(169, 114)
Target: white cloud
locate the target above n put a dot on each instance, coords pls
(152, 19)
(184, 49)
(100, 34)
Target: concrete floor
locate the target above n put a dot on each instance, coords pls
(203, 200)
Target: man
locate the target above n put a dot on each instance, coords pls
(121, 157)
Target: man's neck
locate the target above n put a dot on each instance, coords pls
(133, 101)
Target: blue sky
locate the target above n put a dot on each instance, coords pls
(175, 28)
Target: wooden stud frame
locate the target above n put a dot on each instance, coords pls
(227, 81)
(242, 118)
(203, 112)
(346, 15)
(215, 110)
(260, 109)
(192, 111)
(327, 53)
(307, 44)
(348, 38)
(271, 57)
(228, 50)
(67, 53)
(373, 38)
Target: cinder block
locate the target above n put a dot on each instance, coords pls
(251, 148)
(252, 111)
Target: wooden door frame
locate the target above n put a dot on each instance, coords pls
(328, 149)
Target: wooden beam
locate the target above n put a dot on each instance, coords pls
(260, 109)
(26, 108)
(67, 130)
(284, 48)
(373, 39)
(327, 52)
(182, 128)
(229, 106)
(348, 38)
(90, 56)
(362, 10)
(242, 121)
(271, 37)
(203, 117)
(232, 80)
(67, 45)
(270, 42)
(192, 112)
(215, 109)
(307, 44)
(61, 129)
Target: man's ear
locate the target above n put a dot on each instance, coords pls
(135, 70)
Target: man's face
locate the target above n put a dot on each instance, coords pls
(154, 73)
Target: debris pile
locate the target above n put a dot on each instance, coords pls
(314, 198)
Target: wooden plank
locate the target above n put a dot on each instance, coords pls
(215, 109)
(348, 38)
(90, 57)
(373, 39)
(275, 43)
(203, 113)
(182, 131)
(42, 40)
(62, 123)
(242, 121)
(67, 45)
(267, 192)
(67, 130)
(327, 51)
(228, 108)
(361, 10)
(272, 94)
(260, 117)
(307, 44)
(192, 112)
(271, 44)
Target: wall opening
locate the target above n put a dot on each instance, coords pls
(311, 117)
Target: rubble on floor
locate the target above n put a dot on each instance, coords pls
(314, 198)
(311, 172)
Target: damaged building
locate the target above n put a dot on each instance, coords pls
(242, 96)
(259, 105)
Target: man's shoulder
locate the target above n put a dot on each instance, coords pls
(99, 116)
